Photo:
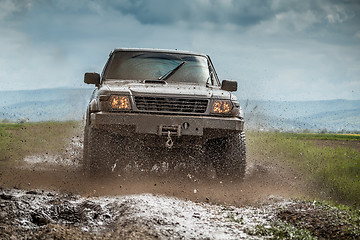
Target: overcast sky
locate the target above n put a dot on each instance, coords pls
(276, 49)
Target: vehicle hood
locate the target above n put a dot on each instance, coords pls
(171, 89)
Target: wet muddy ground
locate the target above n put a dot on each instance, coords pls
(338, 143)
(51, 215)
(132, 216)
(49, 197)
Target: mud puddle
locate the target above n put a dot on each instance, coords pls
(36, 213)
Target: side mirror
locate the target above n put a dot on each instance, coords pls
(92, 78)
(229, 85)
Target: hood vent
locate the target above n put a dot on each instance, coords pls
(155, 81)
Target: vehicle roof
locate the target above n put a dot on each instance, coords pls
(158, 50)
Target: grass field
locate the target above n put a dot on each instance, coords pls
(324, 136)
(19, 140)
(334, 170)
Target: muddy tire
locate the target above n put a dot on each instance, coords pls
(97, 154)
(85, 158)
(228, 156)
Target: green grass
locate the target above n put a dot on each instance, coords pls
(235, 218)
(19, 140)
(5, 143)
(334, 170)
(281, 230)
(324, 136)
(11, 126)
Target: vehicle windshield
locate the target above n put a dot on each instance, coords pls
(157, 66)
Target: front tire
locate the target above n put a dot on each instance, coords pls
(228, 156)
(97, 152)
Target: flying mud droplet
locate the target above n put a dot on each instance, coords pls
(113, 167)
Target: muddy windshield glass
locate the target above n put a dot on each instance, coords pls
(154, 66)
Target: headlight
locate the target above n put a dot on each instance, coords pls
(120, 103)
(221, 106)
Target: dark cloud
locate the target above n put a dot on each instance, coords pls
(317, 19)
(243, 13)
(10, 9)
(329, 14)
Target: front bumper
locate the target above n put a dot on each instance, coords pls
(156, 124)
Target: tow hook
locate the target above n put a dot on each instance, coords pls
(169, 142)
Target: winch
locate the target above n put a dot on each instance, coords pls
(169, 142)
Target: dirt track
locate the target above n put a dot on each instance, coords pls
(161, 205)
(259, 183)
(63, 173)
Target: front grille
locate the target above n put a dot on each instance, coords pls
(163, 104)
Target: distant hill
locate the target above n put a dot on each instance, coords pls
(332, 115)
(70, 104)
(44, 104)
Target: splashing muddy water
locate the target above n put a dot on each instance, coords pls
(57, 197)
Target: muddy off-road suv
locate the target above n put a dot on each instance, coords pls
(152, 107)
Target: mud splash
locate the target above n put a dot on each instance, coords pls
(258, 184)
(134, 204)
(71, 157)
(63, 173)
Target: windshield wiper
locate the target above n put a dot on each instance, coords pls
(171, 72)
